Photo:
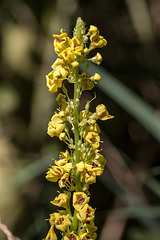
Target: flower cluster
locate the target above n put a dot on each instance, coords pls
(82, 162)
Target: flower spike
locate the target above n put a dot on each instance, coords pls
(80, 165)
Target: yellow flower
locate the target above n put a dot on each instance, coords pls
(58, 62)
(62, 223)
(61, 200)
(102, 112)
(61, 99)
(54, 78)
(96, 59)
(96, 78)
(68, 167)
(97, 41)
(64, 179)
(61, 42)
(89, 226)
(80, 166)
(94, 168)
(62, 136)
(55, 129)
(90, 177)
(63, 158)
(54, 173)
(75, 64)
(86, 213)
(91, 171)
(83, 235)
(92, 235)
(53, 83)
(99, 160)
(86, 50)
(55, 216)
(93, 29)
(51, 234)
(93, 139)
(55, 126)
(71, 236)
(96, 158)
(68, 55)
(79, 200)
(76, 46)
(60, 72)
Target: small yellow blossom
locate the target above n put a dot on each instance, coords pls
(93, 139)
(80, 166)
(54, 173)
(55, 126)
(86, 50)
(61, 114)
(79, 200)
(61, 200)
(76, 46)
(98, 159)
(61, 42)
(97, 41)
(94, 168)
(55, 216)
(62, 136)
(68, 55)
(90, 177)
(60, 72)
(53, 84)
(91, 128)
(102, 112)
(55, 129)
(75, 64)
(86, 213)
(51, 234)
(89, 226)
(56, 118)
(63, 158)
(64, 179)
(83, 235)
(93, 29)
(96, 78)
(61, 99)
(92, 235)
(54, 78)
(68, 167)
(96, 59)
(62, 223)
(58, 62)
(71, 236)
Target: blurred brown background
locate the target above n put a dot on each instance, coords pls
(127, 194)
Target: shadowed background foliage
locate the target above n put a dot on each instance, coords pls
(127, 194)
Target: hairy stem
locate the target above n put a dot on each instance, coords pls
(75, 221)
(76, 126)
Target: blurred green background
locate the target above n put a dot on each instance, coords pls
(127, 194)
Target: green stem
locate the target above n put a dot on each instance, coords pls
(75, 221)
(76, 126)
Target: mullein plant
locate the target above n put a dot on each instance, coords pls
(77, 167)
